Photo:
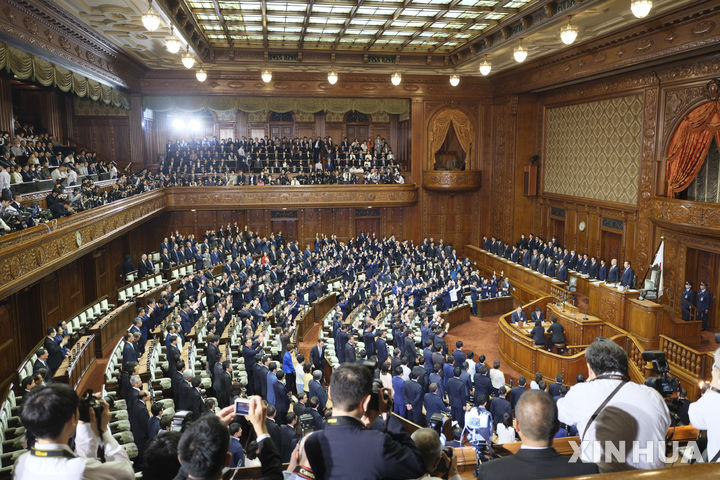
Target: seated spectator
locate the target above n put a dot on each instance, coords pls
(537, 422)
(50, 415)
(435, 459)
(505, 431)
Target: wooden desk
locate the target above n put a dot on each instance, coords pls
(457, 316)
(305, 323)
(647, 320)
(74, 366)
(323, 305)
(144, 361)
(610, 304)
(109, 327)
(580, 329)
(494, 306)
(528, 283)
(144, 298)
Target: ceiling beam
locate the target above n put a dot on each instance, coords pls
(263, 9)
(305, 24)
(222, 22)
(350, 16)
(467, 26)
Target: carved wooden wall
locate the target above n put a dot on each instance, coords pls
(107, 136)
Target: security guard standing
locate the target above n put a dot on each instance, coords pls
(688, 298)
(703, 305)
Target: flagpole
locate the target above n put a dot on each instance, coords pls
(662, 239)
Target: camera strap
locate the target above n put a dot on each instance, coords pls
(600, 408)
(61, 453)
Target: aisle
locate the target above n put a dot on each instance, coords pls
(481, 336)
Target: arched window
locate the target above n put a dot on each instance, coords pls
(281, 117)
(354, 116)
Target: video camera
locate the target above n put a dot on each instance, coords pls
(307, 424)
(181, 420)
(664, 383)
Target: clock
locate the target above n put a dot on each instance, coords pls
(78, 238)
(581, 226)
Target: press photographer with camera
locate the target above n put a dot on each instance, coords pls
(50, 414)
(439, 462)
(347, 448)
(704, 413)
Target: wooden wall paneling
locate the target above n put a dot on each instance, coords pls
(525, 147)
(6, 104)
(320, 124)
(9, 356)
(108, 136)
(504, 136)
(51, 103)
(25, 106)
(304, 129)
(72, 289)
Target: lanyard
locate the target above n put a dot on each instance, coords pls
(51, 453)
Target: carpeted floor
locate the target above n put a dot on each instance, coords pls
(481, 336)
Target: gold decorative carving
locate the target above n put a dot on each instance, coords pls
(438, 129)
(452, 181)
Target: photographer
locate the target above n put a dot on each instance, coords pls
(333, 452)
(608, 385)
(704, 413)
(51, 415)
(437, 462)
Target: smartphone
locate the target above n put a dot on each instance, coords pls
(242, 406)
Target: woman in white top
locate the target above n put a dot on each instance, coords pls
(505, 431)
(535, 384)
(386, 378)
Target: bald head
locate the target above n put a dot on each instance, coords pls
(427, 441)
(536, 415)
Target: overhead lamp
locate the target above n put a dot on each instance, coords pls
(568, 33)
(520, 54)
(172, 43)
(641, 8)
(396, 78)
(150, 19)
(266, 76)
(187, 59)
(485, 67)
(201, 75)
(332, 77)
(454, 80)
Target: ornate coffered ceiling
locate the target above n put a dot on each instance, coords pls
(356, 36)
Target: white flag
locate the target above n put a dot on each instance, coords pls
(658, 262)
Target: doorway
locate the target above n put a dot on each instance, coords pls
(610, 246)
(558, 230)
(288, 227)
(368, 226)
(702, 266)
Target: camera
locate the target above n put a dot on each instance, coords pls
(307, 424)
(443, 468)
(180, 420)
(89, 401)
(664, 383)
(242, 406)
(436, 422)
(377, 386)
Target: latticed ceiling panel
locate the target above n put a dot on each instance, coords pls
(376, 25)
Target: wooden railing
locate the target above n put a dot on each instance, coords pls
(109, 327)
(305, 323)
(323, 305)
(687, 364)
(74, 366)
(494, 306)
(457, 315)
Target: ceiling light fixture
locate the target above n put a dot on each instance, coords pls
(332, 77)
(454, 80)
(641, 8)
(266, 76)
(520, 54)
(187, 59)
(201, 75)
(150, 19)
(396, 78)
(568, 33)
(485, 68)
(172, 43)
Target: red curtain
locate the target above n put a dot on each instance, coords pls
(690, 145)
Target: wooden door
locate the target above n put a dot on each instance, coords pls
(368, 226)
(610, 247)
(559, 230)
(288, 227)
(281, 130)
(357, 131)
(702, 266)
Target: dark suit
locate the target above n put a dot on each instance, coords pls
(515, 394)
(287, 437)
(273, 430)
(238, 455)
(129, 354)
(317, 359)
(39, 364)
(519, 318)
(212, 355)
(153, 427)
(483, 385)
(222, 385)
(349, 350)
(139, 418)
(534, 464)
(55, 354)
(457, 392)
(413, 395)
(433, 404)
(628, 278)
(410, 351)
(373, 454)
(558, 333)
(613, 274)
(498, 407)
(382, 353)
(316, 390)
(282, 402)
